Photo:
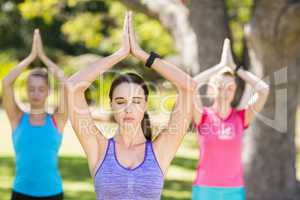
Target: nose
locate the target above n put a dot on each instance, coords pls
(129, 107)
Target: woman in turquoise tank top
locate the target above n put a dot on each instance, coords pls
(36, 134)
(132, 164)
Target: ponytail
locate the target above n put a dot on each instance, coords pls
(146, 126)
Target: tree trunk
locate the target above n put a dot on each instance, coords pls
(273, 37)
(210, 22)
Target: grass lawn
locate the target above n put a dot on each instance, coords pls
(77, 182)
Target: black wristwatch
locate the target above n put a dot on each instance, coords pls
(151, 59)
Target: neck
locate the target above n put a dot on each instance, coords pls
(222, 107)
(130, 136)
(37, 111)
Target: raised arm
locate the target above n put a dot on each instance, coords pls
(9, 102)
(169, 71)
(169, 140)
(90, 137)
(61, 113)
(226, 63)
(260, 87)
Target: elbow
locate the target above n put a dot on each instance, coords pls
(265, 91)
(73, 85)
(190, 86)
(70, 85)
(194, 85)
(6, 83)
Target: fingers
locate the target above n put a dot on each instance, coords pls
(132, 37)
(227, 58)
(39, 44)
(35, 37)
(131, 32)
(125, 25)
(39, 39)
(33, 52)
(125, 30)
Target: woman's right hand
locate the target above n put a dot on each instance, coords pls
(135, 49)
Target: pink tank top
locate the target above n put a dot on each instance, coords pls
(220, 143)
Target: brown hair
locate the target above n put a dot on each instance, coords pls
(39, 72)
(230, 74)
(134, 78)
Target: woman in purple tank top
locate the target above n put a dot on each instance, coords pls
(131, 165)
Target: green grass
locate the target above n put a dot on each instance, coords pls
(78, 183)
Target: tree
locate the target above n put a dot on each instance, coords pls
(273, 37)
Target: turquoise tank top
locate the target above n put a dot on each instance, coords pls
(36, 148)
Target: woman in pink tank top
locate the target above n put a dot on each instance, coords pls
(220, 130)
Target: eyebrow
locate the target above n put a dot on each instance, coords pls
(121, 98)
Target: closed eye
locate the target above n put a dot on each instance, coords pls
(120, 102)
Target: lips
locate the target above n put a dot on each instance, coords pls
(128, 119)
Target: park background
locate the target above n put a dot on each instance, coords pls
(265, 37)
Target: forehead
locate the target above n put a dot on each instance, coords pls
(223, 79)
(36, 81)
(128, 90)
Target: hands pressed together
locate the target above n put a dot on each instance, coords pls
(129, 43)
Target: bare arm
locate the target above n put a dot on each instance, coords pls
(169, 71)
(90, 137)
(9, 102)
(168, 141)
(261, 88)
(60, 114)
(226, 64)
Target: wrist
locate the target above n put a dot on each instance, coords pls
(142, 55)
(120, 54)
(151, 59)
(238, 69)
(32, 56)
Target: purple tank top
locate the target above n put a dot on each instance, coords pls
(113, 181)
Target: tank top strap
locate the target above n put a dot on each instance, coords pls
(151, 158)
(24, 118)
(108, 155)
(148, 147)
(23, 121)
(49, 119)
(110, 149)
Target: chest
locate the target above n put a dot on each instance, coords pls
(216, 130)
(130, 158)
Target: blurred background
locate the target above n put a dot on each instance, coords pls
(265, 37)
